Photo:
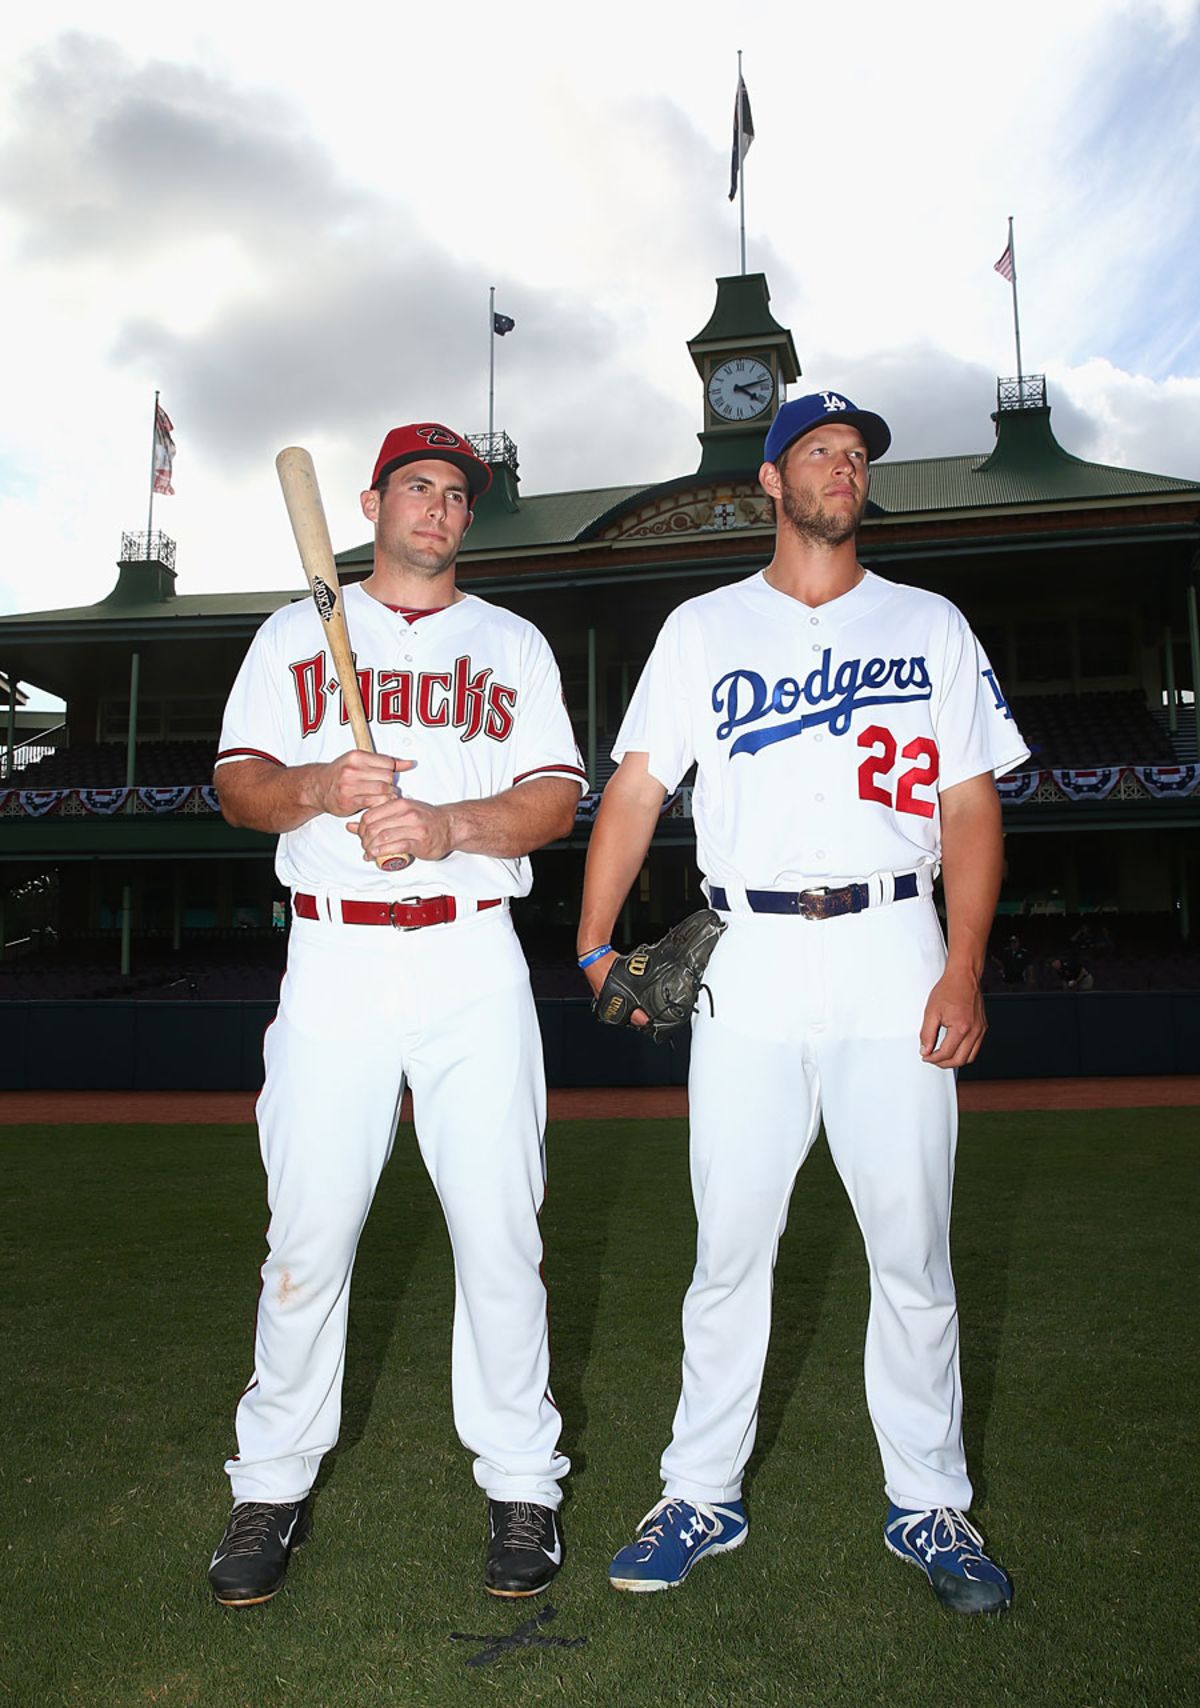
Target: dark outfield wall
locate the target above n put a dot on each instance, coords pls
(217, 1046)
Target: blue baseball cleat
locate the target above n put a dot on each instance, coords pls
(950, 1552)
(672, 1537)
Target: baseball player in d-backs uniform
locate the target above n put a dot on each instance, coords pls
(402, 977)
(846, 733)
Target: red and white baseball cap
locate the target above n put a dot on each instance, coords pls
(429, 439)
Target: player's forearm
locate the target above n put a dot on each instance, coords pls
(620, 837)
(516, 821)
(972, 864)
(257, 795)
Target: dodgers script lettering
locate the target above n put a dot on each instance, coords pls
(746, 701)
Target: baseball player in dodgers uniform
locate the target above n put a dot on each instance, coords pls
(393, 977)
(846, 733)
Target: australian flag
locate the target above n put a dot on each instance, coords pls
(743, 135)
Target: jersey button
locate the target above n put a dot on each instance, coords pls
(814, 621)
(818, 797)
(818, 738)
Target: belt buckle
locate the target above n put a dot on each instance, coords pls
(815, 909)
(404, 901)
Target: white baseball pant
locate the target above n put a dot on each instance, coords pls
(820, 1018)
(363, 1009)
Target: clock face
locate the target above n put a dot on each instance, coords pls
(740, 389)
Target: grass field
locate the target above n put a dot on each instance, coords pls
(128, 1289)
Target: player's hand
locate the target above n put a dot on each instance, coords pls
(405, 826)
(357, 780)
(955, 1004)
(596, 975)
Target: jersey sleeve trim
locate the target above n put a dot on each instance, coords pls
(247, 753)
(571, 771)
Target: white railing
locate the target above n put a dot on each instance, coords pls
(29, 752)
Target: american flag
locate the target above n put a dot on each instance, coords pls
(1004, 266)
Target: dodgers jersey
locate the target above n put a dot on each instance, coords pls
(471, 693)
(822, 735)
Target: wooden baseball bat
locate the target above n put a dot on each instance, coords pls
(302, 495)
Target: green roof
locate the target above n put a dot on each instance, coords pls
(1027, 466)
(542, 519)
(183, 608)
(742, 311)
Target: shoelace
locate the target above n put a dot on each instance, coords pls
(249, 1526)
(522, 1528)
(964, 1539)
(654, 1534)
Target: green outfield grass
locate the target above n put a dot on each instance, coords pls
(129, 1286)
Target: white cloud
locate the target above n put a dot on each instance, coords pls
(292, 234)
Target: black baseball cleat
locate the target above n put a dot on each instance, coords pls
(251, 1560)
(525, 1547)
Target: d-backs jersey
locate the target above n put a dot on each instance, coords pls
(822, 735)
(471, 693)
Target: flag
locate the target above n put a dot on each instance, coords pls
(164, 451)
(502, 323)
(743, 134)
(1004, 266)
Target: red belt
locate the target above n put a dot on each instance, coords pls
(407, 915)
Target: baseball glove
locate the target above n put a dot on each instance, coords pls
(663, 979)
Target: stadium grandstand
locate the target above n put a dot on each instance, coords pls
(120, 881)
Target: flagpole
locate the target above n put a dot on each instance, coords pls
(491, 366)
(741, 168)
(153, 461)
(1012, 255)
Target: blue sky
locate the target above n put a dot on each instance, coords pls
(292, 233)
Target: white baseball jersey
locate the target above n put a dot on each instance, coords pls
(471, 693)
(822, 734)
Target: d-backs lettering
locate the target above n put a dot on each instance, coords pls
(462, 699)
(832, 696)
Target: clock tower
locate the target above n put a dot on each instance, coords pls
(744, 359)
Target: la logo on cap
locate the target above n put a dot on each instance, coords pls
(833, 401)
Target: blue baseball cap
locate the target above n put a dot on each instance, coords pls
(802, 414)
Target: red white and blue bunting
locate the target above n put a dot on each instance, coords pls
(104, 801)
(1014, 789)
(36, 803)
(165, 800)
(1168, 782)
(1093, 785)
(1160, 782)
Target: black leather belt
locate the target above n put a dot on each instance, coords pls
(815, 904)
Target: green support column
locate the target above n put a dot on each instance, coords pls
(591, 708)
(135, 665)
(1194, 644)
(11, 740)
(1169, 679)
(135, 670)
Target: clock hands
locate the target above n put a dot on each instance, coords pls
(753, 387)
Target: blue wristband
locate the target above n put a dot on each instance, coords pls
(593, 955)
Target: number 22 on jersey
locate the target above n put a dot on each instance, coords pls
(874, 773)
